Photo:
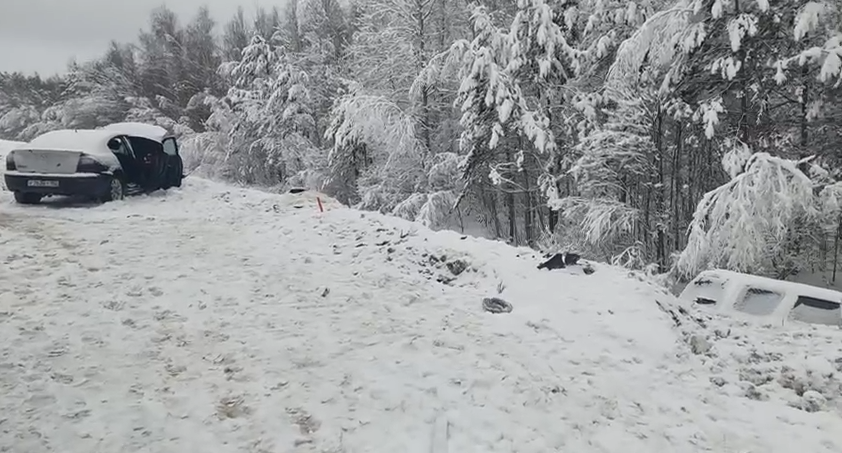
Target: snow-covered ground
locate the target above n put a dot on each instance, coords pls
(216, 319)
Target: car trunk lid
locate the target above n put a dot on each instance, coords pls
(46, 161)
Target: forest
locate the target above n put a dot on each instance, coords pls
(663, 135)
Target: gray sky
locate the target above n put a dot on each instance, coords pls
(44, 35)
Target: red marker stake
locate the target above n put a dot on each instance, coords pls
(319, 201)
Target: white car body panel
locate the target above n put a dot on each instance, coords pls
(41, 161)
(58, 152)
(729, 289)
(54, 175)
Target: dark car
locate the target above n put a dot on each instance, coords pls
(105, 164)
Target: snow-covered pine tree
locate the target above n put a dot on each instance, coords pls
(376, 157)
(271, 141)
(762, 220)
(374, 161)
(615, 176)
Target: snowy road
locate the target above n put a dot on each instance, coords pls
(214, 319)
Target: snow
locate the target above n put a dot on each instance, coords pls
(93, 142)
(796, 367)
(142, 130)
(218, 319)
(5, 147)
(808, 19)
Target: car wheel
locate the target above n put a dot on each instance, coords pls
(116, 189)
(27, 198)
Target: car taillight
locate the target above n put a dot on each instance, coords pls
(10, 162)
(88, 164)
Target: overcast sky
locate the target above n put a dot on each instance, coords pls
(44, 35)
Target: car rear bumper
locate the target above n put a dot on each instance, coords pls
(89, 184)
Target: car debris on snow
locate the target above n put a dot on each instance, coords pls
(496, 305)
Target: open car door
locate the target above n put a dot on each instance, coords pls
(174, 172)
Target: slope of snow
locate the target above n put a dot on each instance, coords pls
(215, 319)
(799, 366)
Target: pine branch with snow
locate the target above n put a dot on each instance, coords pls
(747, 224)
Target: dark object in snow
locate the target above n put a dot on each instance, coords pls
(588, 269)
(297, 190)
(559, 261)
(444, 279)
(456, 267)
(496, 305)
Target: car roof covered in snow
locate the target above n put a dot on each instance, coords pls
(87, 141)
(800, 289)
(147, 131)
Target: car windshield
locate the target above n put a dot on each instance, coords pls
(758, 301)
(705, 290)
(816, 311)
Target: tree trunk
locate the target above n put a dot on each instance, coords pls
(804, 99)
(659, 192)
(528, 211)
(744, 83)
(676, 188)
(836, 249)
(498, 229)
(553, 220)
(510, 204)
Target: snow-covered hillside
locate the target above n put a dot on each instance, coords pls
(216, 319)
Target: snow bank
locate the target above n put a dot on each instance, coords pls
(213, 318)
(795, 365)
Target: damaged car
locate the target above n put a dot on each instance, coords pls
(103, 164)
(765, 300)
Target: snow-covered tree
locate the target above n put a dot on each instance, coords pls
(761, 220)
(615, 176)
(235, 36)
(272, 139)
(376, 157)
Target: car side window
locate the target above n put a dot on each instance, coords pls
(816, 311)
(759, 301)
(170, 147)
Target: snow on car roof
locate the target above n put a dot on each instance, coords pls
(771, 283)
(147, 131)
(88, 141)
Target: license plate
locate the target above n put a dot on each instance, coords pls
(41, 183)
